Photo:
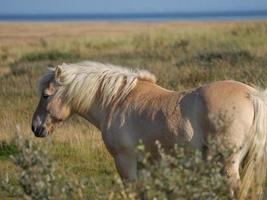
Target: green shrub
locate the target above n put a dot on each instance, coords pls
(38, 177)
(179, 174)
(7, 149)
(183, 174)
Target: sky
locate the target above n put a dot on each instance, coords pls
(125, 6)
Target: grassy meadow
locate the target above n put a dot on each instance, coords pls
(181, 55)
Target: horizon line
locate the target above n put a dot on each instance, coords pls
(263, 11)
(149, 16)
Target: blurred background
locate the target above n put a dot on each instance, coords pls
(185, 43)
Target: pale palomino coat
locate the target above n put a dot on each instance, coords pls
(128, 106)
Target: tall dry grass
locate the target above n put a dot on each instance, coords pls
(181, 55)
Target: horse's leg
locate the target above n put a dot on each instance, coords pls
(232, 173)
(126, 165)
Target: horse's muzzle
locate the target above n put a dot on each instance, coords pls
(39, 131)
(37, 127)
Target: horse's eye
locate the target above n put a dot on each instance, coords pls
(45, 96)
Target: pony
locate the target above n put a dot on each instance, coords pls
(128, 106)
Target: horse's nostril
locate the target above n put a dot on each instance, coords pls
(33, 128)
(40, 132)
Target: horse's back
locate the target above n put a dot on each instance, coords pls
(225, 93)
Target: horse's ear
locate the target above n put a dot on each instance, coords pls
(58, 73)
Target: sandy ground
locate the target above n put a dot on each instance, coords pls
(28, 32)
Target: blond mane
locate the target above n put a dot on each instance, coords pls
(80, 83)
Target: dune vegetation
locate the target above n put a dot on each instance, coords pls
(181, 55)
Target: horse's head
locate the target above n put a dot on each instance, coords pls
(51, 108)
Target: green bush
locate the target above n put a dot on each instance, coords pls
(181, 174)
(38, 178)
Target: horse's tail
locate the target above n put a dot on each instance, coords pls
(255, 163)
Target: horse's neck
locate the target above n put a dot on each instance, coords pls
(151, 98)
(153, 92)
(94, 115)
(145, 97)
(155, 109)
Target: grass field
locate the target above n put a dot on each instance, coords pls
(181, 55)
